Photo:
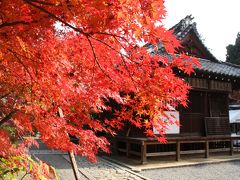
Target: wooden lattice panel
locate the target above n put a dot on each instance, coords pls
(217, 126)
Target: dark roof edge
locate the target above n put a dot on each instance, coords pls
(230, 64)
(187, 24)
(223, 62)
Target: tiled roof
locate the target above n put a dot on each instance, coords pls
(182, 28)
(220, 68)
(212, 66)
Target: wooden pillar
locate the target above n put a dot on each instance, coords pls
(231, 147)
(115, 146)
(143, 153)
(206, 149)
(178, 150)
(127, 148)
(206, 105)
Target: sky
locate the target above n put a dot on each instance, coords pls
(218, 21)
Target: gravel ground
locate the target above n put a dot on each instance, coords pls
(219, 171)
(103, 170)
(62, 167)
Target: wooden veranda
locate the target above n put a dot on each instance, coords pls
(145, 147)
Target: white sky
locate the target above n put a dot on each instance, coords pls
(218, 21)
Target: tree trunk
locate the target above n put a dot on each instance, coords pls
(71, 154)
(74, 165)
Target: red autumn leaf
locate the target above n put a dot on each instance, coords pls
(71, 55)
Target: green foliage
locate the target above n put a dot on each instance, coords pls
(11, 130)
(9, 168)
(233, 51)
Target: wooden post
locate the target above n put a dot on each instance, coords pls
(231, 147)
(127, 148)
(71, 155)
(178, 146)
(143, 153)
(206, 149)
(115, 146)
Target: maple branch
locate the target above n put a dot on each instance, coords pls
(20, 61)
(113, 35)
(7, 117)
(45, 3)
(25, 67)
(120, 43)
(93, 68)
(77, 29)
(106, 44)
(30, 2)
(13, 23)
(129, 73)
(5, 95)
(96, 59)
(55, 17)
(122, 56)
(15, 54)
(24, 175)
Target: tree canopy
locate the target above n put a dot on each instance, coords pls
(68, 55)
(233, 51)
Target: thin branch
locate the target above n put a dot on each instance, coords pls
(55, 17)
(122, 56)
(129, 73)
(96, 59)
(20, 61)
(24, 175)
(5, 95)
(93, 69)
(6, 24)
(67, 24)
(7, 117)
(114, 35)
(45, 3)
(26, 68)
(120, 43)
(106, 44)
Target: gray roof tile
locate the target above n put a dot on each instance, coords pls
(221, 68)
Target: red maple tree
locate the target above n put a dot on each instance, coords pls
(70, 54)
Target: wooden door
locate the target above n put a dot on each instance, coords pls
(192, 117)
(218, 104)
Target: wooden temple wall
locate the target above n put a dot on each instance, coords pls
(199, 83)
(205, 126)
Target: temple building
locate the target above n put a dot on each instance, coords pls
(205, 125)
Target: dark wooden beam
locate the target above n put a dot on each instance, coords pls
(143, 153)
(206, 149)
(178, 146)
